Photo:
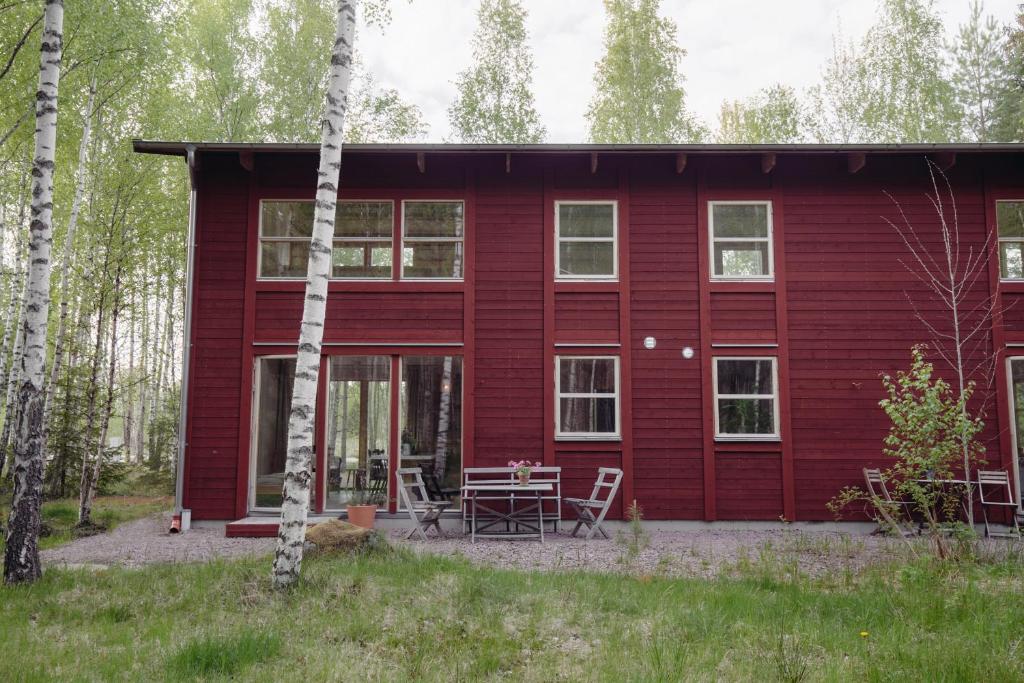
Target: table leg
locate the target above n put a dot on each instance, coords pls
(540, 516)
(472, 521)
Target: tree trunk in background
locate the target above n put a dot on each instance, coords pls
(87, 494)
(21, 556)
(140, 443)
(158, 366)
(90, 418)
(66, 258)
(295, 506)
(13, 374)
(128, 392)
(444, 420)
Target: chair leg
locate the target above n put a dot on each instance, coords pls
(984, 516)
(576, 529)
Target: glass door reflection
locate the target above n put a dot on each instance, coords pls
(358, 425)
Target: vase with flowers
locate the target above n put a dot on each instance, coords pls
(523, 469)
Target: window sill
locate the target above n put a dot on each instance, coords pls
(613, 438)
(747, 438)
(299, 285)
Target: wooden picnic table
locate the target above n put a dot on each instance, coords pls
(517, 518)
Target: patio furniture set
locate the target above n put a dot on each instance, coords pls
(991, 488)
(497, 504)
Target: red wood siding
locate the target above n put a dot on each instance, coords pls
(748, 485)
(586, 317)
(365, 316)
(743, 317)
(216, 379)
(509, 316)
(836, 317)
(667, 432)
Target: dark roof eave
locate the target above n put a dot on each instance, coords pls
(180, 148)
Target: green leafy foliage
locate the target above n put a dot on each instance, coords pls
(1008, 114)
(773, 116)
(495, 101)
(930, 430)
(640, 96)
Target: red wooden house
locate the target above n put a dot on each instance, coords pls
(711, 319)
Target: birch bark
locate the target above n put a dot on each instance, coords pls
(294, 507)
(66, 258)
(21, 556)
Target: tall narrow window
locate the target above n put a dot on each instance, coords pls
(362, 240)
(746, 398)
(431, 421)
(274, 380)
(432, 239)
(358, 429)
(1010, 222)
(587, 397)
(586, 240)
(1017, 395)
(741, 240)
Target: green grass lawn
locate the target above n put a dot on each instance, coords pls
(397, 617)
(62, 515)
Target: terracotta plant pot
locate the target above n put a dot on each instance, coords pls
(362, 515)
(524, 479)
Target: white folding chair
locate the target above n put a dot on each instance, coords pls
(997, 483)
(607, 485)
(423, 512)
(878, 490)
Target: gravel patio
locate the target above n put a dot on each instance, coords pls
(699, 552)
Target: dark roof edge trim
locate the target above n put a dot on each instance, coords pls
(179, 148)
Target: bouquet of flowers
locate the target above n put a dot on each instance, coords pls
(523, 469)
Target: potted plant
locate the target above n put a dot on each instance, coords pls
(361, 509)
(523, 469)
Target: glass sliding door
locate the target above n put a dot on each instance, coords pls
(358, 429)
(1017, 394)
(431, 421)
(274, 380)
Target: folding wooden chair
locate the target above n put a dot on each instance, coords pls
(878, 490)
(423, 512)
(998, 484)
(586, 507)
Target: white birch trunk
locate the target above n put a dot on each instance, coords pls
(91, 476)
(13, 372)
(294, 507)
(21, 556)
(444, 421)
(129, 388)
(90, 419)
(66, 258)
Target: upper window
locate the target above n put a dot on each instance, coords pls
(586, 240)
(746, 398)
(362, 239)
(587, 397)
(741, 240)
(1010, 222)
(432, 239)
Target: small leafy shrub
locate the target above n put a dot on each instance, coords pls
(932, 436)
(223, 656)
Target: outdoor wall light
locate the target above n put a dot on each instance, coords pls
(650, 343)
(687, 352)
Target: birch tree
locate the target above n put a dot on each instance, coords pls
(772, 116)
(495, 98)
(64, 273)
(21, 555)
(295, 491)
(958, 317)
(979, 72)
(1008, 113)
(639, 89)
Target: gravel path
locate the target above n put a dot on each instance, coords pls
(146, 541)
(701, 553)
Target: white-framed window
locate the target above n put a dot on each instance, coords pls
(586, 236)
(1010, 224)
(1015, 385)
(740, 240)
(746, 397)
(587, 397)
(362, 247)
(433, 235)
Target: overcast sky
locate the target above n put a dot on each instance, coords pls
(735, 47)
